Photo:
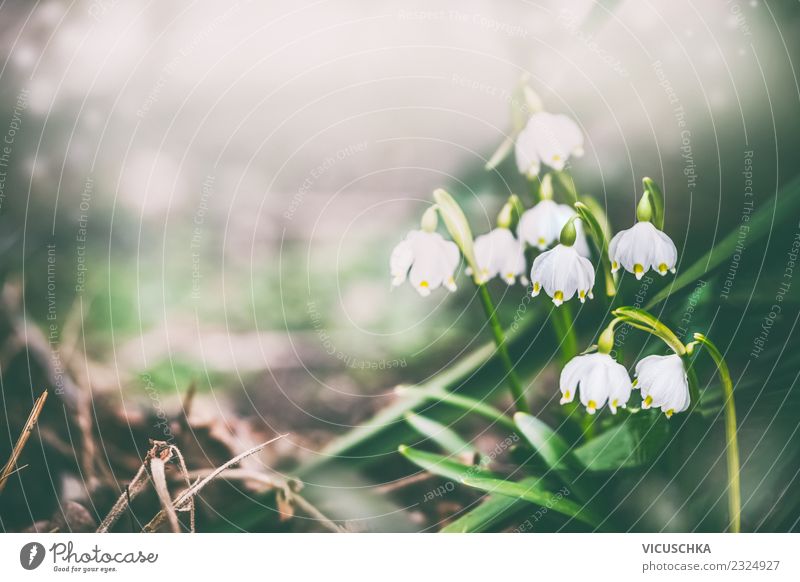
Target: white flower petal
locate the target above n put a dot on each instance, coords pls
(663, 383)
(499, 253)
(400, 262)
(599, 380)
(562, 273)
(431, 259)
(547, 138)
(640, 248)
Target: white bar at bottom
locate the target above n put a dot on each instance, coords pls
(420, 557)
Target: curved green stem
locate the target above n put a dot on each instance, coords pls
(500, 340)
(652, 324)
(599, 235)
(731, 440)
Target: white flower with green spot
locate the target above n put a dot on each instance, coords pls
(540, 226)
(426, 259)
(562, 273)
(640, 248)
(663, 383)
(547, 139)
(599, 380)
(498, 253)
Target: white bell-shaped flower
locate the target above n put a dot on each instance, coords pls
(599, 379)
(432, 261)
(640, 248)
(498, 253)
(547, 139)
(540, 226)
(562, 273)
(663, 383)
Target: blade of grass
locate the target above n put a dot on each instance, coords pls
(442, 435)
(466, 403)
(553, 449)
(493, 509)
(785, 206)
(389, 418)
(443, 466)
(534, 493)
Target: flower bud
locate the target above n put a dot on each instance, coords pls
(456, 224)
(644, 211)
(605, 343)
(506, 215)
(430, 220)
(568, 233)
(546, 187)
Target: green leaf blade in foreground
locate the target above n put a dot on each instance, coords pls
(442, 435)
(551, 447)
(493, 509)
(785, 206)
(445, 467)
(634, 443)
(554, 450)
(536, 494)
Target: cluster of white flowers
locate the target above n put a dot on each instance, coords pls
(600, 379)
(563, 271)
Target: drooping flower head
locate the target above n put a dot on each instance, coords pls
(431, 259)
(498, 253)
(541, 225)
(663, 383)
(599, 379)
(547, 139)
(643, 246)
(562, 272)
(640, 248)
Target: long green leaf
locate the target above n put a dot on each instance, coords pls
(466, 403)
(389, 418)
(785, 206)
(442, 435)
(443, 466)
(493, 509)
(551, 447)
(634, 443)
(501, 153)
(534, 493)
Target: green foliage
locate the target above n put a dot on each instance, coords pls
(534, 492)
(444, 466)
(635, 442)
(442, 435)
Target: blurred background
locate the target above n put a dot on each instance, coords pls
(204, 194)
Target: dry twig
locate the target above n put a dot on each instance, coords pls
(135, 487)
(183, 500)
(22, 440)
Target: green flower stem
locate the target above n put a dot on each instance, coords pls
(650, 323)
(565, 331)
(732, 443)
(500, 340)
(694, 383)
(600, 237)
